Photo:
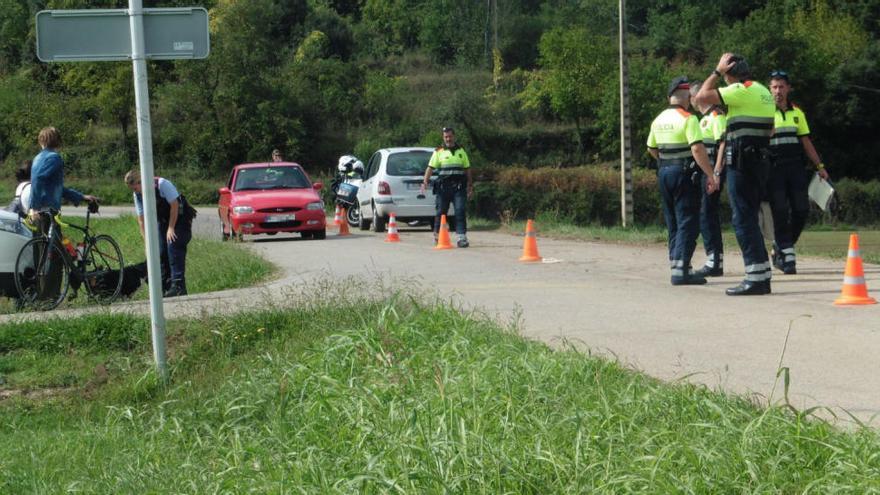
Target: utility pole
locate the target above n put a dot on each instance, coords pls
(626, 187)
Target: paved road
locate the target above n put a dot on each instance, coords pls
(614, 300)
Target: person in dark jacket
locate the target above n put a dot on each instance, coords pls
(175, 216)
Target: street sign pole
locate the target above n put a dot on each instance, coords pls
(145, 153)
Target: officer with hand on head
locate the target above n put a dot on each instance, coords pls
(454, 184)
(750, 112)
(676, 142)
(789, 178)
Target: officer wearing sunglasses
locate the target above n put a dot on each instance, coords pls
(791, 147)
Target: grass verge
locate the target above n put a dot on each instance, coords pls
(389, 396)
(210, 265)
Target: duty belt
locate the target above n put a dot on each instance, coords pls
(675, 163)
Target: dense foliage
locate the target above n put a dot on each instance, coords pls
(527, 82)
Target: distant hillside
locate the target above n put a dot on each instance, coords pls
(527, 82)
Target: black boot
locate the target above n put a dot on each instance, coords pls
(689, 278)
(749, 288)
(178, 288)
(706, 271)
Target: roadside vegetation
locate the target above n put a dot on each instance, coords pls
(211, 265)
(338, 395)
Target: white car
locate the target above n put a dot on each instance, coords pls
(13, 236)
(391, 184)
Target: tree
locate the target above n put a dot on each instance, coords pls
(577, 72)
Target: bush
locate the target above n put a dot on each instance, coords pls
(858, 203)
(587, 194)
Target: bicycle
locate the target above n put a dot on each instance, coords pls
(45, 268)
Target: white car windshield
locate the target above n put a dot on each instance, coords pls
(266, 178)
(408, 163)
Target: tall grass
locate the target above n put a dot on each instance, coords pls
(399, 397)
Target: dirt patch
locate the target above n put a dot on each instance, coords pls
(34, 393)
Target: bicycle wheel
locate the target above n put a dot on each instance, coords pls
(42, 274)
(102, 267)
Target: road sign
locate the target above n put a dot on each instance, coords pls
(98, 35)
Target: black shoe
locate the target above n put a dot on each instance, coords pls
(463, 243)
(777, 261)
(748, 288)
(789, 269)
(706, 271)
(177, 289)
(690, 279)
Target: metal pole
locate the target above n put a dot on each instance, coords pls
(145, 153)
(626, 188)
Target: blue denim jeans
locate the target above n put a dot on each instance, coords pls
(174, 253)
(681, 208)
(458, 199)
(745, 200)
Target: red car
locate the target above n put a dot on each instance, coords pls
(267, 198)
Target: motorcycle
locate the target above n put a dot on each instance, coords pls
(345, 190)
(345, 186)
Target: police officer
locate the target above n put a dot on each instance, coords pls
(789, 179)
(175, 216)
(712, 125)
(676, 142)
(750, 112)
(453, 185)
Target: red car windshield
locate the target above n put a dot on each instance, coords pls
(266, 178)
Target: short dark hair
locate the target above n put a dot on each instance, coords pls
(23, 172)
(449, 129)
(740, 68)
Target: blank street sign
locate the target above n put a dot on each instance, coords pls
(104, 34)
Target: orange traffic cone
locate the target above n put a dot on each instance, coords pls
(530, 244)
(336, 218)
(343, 224)
(443, 241)
(392, 236)
(854, 289)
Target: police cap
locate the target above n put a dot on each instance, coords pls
(740, 67)
(680, 82)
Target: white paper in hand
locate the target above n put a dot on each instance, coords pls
(820, 191)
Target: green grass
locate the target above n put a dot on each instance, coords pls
(387, 397)
(210, 265)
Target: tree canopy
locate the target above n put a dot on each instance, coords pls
(530, 82)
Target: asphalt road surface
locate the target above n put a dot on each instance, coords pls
(614, 300)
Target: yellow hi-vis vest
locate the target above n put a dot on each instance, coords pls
(450, 163)
(673, 132)
(790, 125)
(750, 111)
(713, 125)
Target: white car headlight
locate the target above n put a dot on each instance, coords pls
(242, 209)
(319, 205)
